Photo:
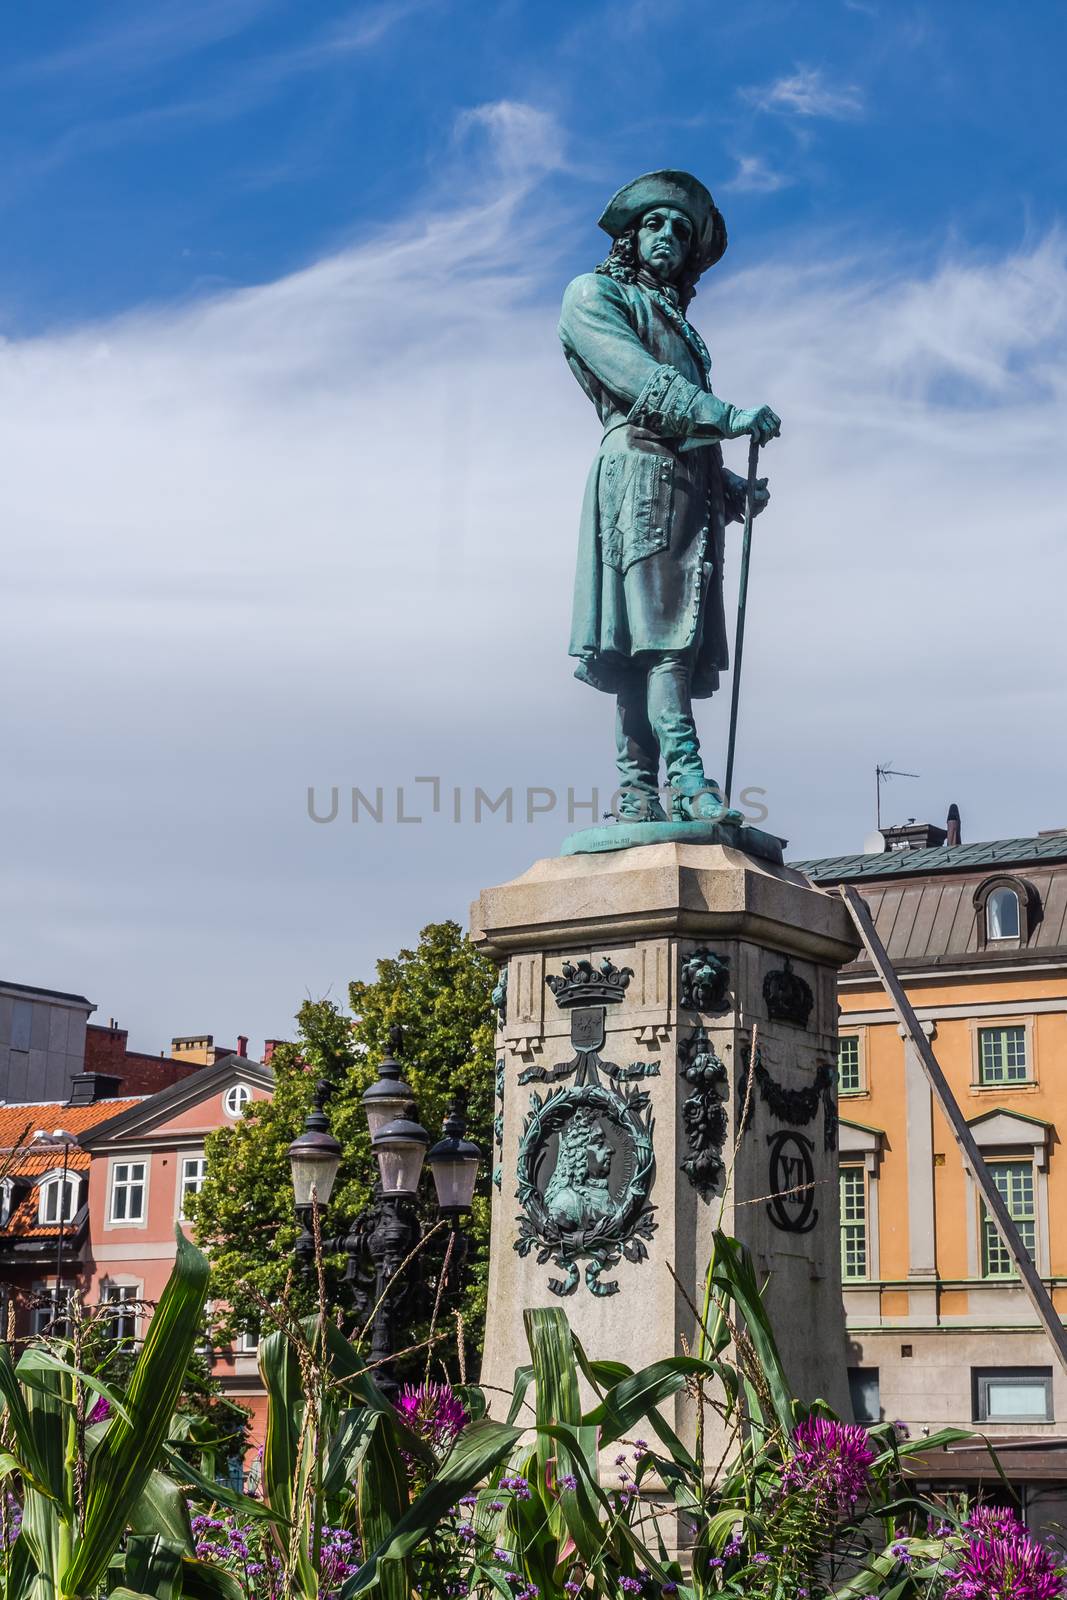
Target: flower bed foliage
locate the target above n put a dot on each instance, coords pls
(561, 1498)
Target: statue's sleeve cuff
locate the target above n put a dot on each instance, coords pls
(665, 403)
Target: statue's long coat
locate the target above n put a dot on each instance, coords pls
(650, 549)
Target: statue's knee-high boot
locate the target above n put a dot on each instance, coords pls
(670, 713)
(637, 755)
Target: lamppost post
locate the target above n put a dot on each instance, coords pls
(383, 1236)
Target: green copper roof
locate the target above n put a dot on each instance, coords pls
(913, 863)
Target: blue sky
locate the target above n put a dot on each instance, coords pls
(152, 151)
(292, 463)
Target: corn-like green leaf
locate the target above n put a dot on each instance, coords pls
(637, 1396)
(163, 1510)
(347, 1446)
(37, 1362)
(33, 1441)
(479, 1449)
(735, 1276)
(202, 1581)
(382, 1497)
(555, 1365)
(123, 1463)
(153, 1566)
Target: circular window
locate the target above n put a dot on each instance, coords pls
(235, 1099)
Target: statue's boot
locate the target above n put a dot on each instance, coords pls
(637, 757)
(670, 709)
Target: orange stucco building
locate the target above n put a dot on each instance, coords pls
(941, 1331)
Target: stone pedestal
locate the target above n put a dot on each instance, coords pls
(634, 982)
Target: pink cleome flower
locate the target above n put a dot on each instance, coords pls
(1009, 1567)
(434, 1412)
(830, 1460)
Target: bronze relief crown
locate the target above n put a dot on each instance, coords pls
(582, 984)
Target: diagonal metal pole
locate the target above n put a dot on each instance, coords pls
(1039, 1296)
(742, 601)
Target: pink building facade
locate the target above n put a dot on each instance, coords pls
(144, 1164)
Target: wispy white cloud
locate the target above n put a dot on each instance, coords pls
(322, 531)
(805, 93)
(141, 38)
(522, 138)
(755, 175)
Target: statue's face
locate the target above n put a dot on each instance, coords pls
(663, 241)
(598, 1156)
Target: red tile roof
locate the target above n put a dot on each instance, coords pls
(18, 1123)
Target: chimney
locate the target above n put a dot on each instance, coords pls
(953, 836)
(86, 1088)
(269, 1047)
(242, 1044)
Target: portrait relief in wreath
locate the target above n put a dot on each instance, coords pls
(585, 1171)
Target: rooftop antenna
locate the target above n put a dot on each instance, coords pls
(881, 774)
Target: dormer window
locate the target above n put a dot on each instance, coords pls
(58, 1199)
(1003, 917)
(1007, 909)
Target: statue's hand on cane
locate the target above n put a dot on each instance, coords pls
(761, 422)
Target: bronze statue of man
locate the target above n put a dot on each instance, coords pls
(648, 620)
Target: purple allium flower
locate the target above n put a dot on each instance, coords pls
(1012, 1568)
(831, 1460)
(902, 1553)
(101, 1410)
(434, 1412)
(733, 1548)
(631, 1585)
(761, 1557)
(518, 1486)
(996, 1522)
(568, 1481)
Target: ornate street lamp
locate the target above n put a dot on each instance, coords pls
(315, 1156)
(380, 1239)
(454, 1164)
(390, 1096)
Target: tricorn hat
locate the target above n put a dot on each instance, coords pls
(669, 188)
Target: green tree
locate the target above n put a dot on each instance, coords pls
(439, 993)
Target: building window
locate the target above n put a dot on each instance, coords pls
(1012, 1394)
(853, 1223)
(58, 1200)
(1015, 1181)
(248, 1344)
(235, 1099)
(120, 1317)
(865, 1394)
(1006, 911)
(1003, 919)
(49, 1311)
(194, 1171)
(1002, 1055)
(127, 1191)
(848, 1064)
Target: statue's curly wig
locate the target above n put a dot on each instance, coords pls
(622, 264)
(572, 1161)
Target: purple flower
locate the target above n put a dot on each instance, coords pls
(100, 1411)
(518, 1486)
(830, 1460)
(434, 1412)
(631, 1585)
(1012, 1568)
(568, 1481)
(902, 1553)
(995, 1521)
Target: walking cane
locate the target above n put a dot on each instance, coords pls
(742, 600)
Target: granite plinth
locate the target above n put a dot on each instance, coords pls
(644, 914)
(631, 835)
